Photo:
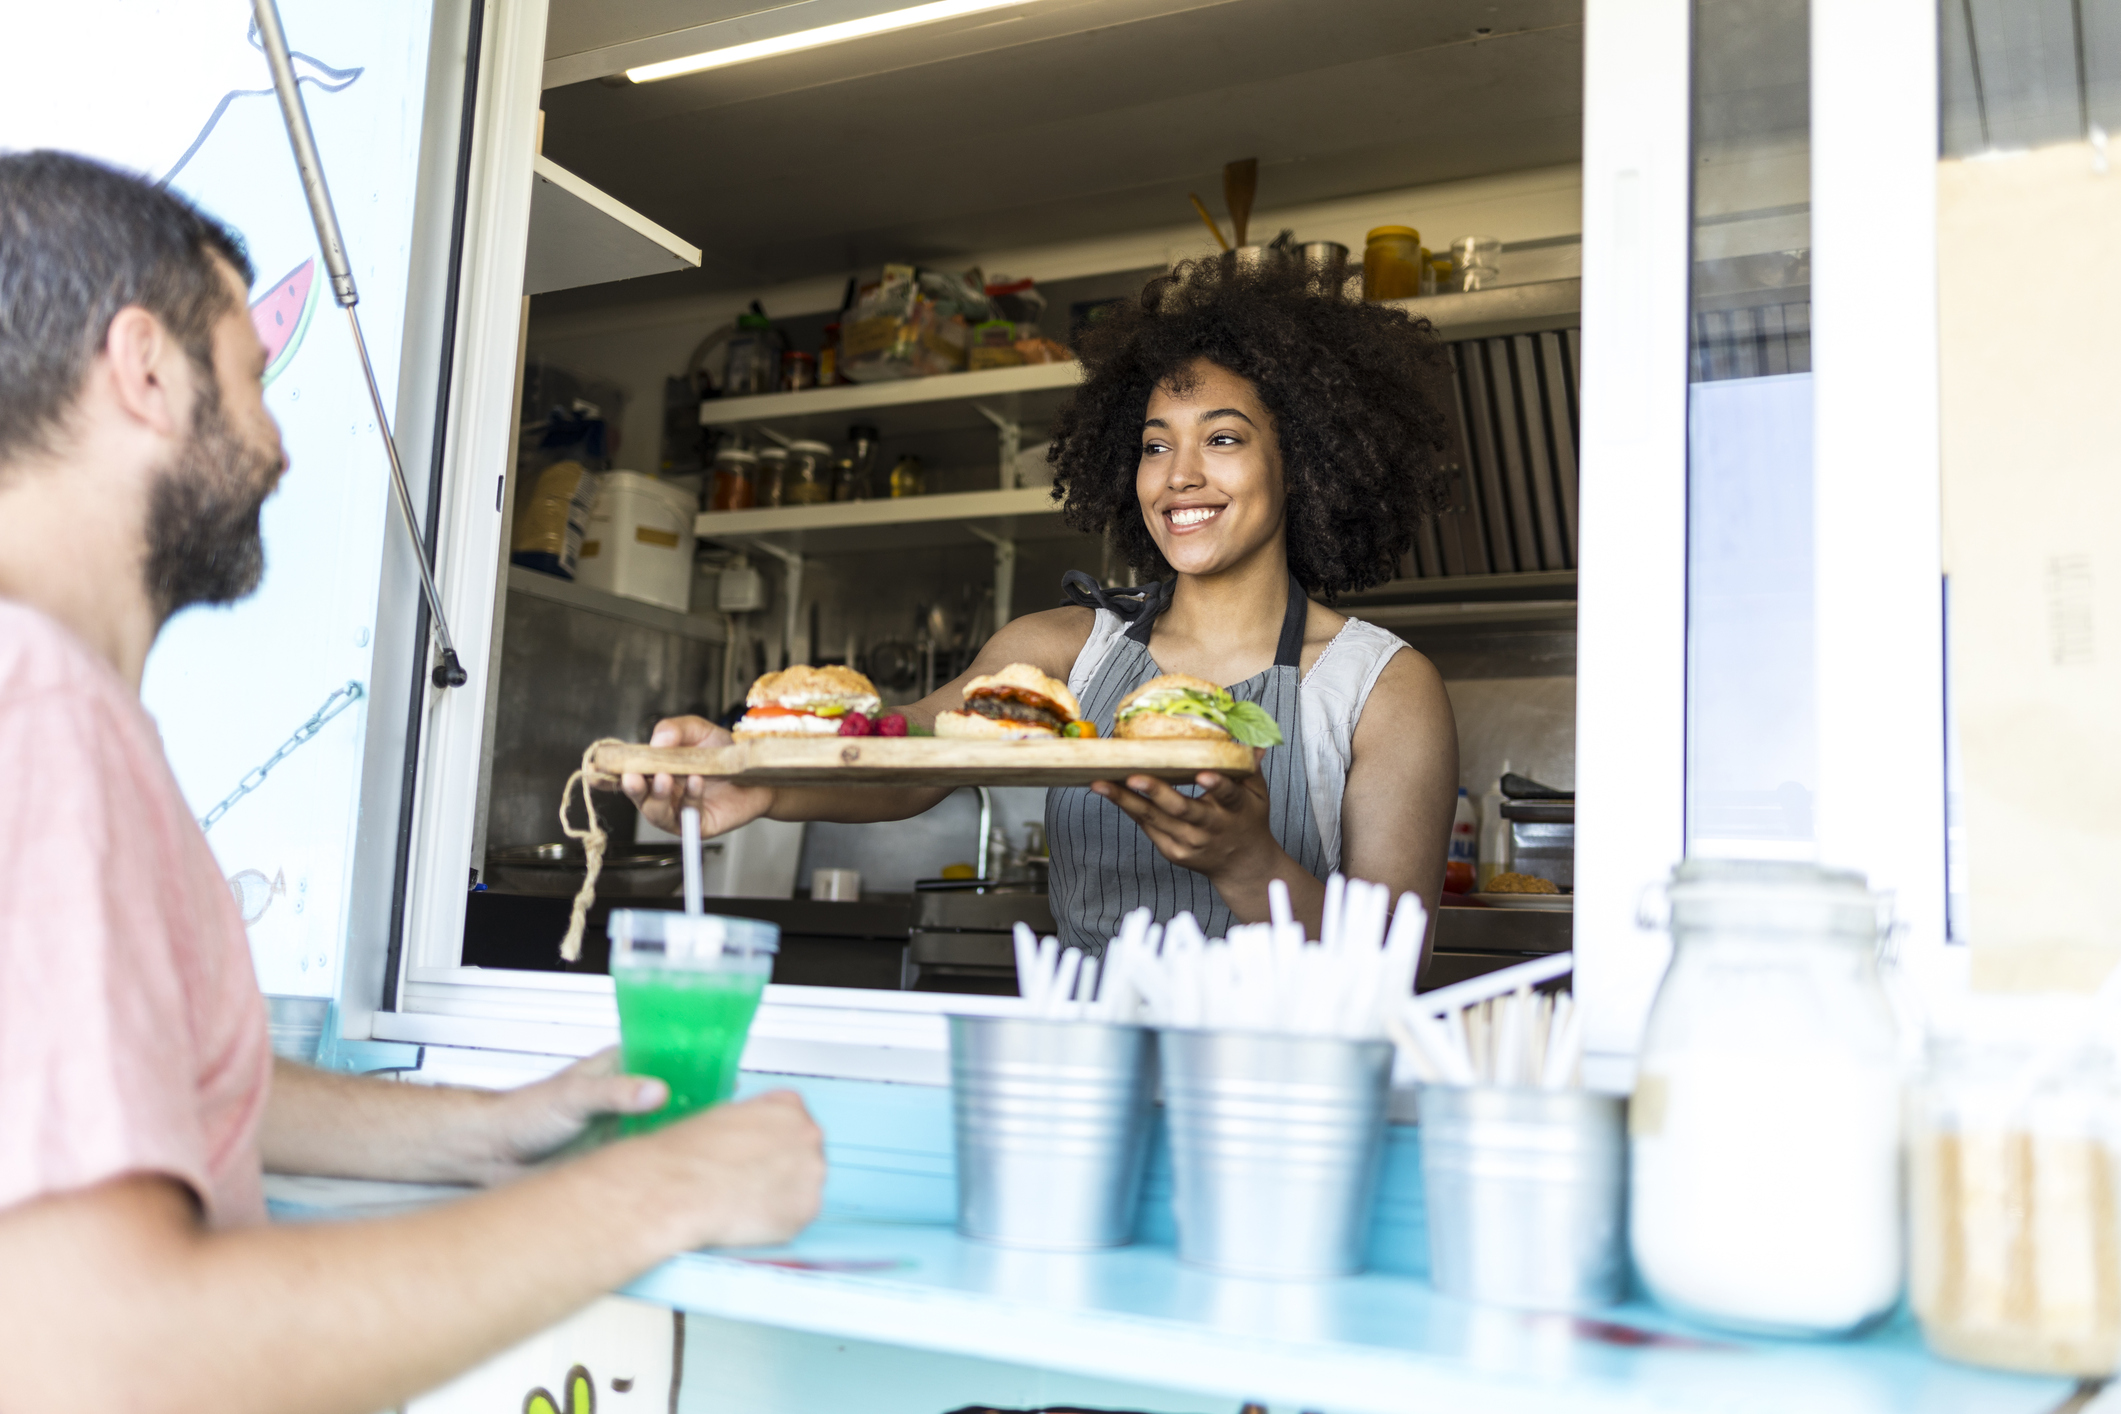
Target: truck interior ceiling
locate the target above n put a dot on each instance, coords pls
(1055, 149)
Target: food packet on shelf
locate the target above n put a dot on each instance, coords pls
(548, 535)
(912, 323)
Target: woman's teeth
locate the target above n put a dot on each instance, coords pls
(1193, 515)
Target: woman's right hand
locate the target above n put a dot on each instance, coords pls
(722, 806)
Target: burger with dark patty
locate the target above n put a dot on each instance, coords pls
(1019, 703)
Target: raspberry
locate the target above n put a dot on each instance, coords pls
(855, 724)
(893, 725)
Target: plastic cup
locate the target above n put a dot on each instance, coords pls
(687, 989)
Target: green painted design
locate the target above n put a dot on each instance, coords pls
(581, 1396)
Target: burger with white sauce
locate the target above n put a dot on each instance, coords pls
(1178, 707)
(805, 701)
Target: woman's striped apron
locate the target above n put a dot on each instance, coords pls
(1104, 867)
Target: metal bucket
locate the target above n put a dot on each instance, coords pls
(1052, 1125)
(1276, 1143)
(1526, 1193)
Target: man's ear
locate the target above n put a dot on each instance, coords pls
(148, 371)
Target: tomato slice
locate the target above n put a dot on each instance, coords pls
(774, 709)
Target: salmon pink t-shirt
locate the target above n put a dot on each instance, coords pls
(132, 1033)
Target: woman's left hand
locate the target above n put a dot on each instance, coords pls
(1222, 830)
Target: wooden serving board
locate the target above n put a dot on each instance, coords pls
(930, 761)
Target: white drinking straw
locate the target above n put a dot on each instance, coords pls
(689, 827)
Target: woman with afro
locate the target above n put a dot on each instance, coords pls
(1246, 440)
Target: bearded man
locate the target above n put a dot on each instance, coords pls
(139, 1097)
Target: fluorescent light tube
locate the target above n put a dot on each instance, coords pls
(816, 38)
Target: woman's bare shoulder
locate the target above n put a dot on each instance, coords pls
(1408, 699)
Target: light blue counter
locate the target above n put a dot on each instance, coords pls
(884, 1266)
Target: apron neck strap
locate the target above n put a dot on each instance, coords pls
(1155, 598)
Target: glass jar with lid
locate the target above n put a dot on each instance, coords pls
(773, 475)
(808, 480)
(1765, 1127)
(735, 480)
(907, 478)
(1391, 263)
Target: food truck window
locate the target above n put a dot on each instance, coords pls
(1751, 742)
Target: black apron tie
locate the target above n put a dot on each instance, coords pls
(1086, 593)
(1288, 650)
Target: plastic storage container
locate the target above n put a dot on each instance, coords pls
(1765, 1128)
(2015, 1194)
(1391, 263)
(639, 542)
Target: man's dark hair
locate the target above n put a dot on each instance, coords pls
(1350, 384)
(80, 241)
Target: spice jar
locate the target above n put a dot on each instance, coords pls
(1391, 263)
(1765, 1127)
(798, 371)
(907, 479)
(808, 480)
(735, 485)
(773, 476)
(2012, 1193)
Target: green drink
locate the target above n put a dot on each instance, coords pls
(687, 990)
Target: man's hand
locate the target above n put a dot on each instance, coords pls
(756, 1170)
(722, 806)
(535, 1121)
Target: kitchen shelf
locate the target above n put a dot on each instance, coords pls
(1467, 615)
(581, 236)
(1029, 396)
(613, 606)
(1462, 589)
(909, 523)
(942, 403)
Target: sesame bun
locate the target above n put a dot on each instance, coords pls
(805, 686)
(1162, 726)
(1168, 680)
(973, 727)
(1030, 679)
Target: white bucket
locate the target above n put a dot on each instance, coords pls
(639, 541)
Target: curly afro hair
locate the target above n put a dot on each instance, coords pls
(1350, 385)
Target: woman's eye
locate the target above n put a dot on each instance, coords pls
(1152, 448)
(1223, 439)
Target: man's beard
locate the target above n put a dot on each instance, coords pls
(204, 543)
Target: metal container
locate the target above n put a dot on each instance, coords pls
(1276, 1143)
(1052, 1122)
(1328, 258)
(1527, 1195)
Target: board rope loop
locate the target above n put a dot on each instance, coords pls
(593, 841)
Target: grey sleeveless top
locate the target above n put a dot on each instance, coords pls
(1104, 867)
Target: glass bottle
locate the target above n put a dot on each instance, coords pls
(1765, 1129)
(907, 479)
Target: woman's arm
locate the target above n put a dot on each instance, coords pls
(1395, 814)
(1049, 641)
(1395, 820)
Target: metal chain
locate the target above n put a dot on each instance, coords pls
(338, 702)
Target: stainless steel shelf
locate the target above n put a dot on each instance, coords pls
(703, 627)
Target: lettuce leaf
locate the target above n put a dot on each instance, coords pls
(1247, 722)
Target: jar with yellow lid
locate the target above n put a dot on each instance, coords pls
(1391, 263)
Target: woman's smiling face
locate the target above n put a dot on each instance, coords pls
(1210, 476)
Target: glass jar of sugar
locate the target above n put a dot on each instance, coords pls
(1764, 1134)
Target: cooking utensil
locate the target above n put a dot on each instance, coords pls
(1207, 220)
(1240, 183)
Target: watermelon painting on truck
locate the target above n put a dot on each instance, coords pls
(281, 316)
